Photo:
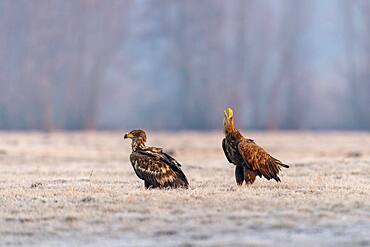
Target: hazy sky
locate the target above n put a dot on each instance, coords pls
(175, 64)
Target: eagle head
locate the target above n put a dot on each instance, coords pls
(229, 121)
(136, 135)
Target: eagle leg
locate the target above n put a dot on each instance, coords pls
(239, 175)
(249, 176)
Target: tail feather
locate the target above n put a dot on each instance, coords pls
(181, 180)
(280, 163)
(283, 165)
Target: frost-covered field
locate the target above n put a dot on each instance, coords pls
(68, 189)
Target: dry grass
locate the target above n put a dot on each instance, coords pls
(79, 189)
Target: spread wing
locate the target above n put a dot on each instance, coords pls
(158, 169)
(259, 160)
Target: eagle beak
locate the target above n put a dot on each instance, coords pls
(230, 115)
(128, 135)
(230, 112)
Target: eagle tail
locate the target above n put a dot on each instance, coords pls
(181, 180)
(278, 162)
(179, 183)
(283, 165)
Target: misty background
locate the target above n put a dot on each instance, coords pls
(174, 64)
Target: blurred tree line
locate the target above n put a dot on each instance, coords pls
(174, 64)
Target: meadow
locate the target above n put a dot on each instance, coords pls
(79, 188)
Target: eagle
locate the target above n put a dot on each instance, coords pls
(249, 159)
(157, 168)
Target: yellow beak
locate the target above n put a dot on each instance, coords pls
(128, 135)
(230, 115)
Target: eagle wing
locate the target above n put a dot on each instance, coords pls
(259, 160)
(158, 169)
(224, 147)
(158, 152)
(232, 153)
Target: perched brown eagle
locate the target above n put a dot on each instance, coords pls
(155, 167)
(249, 158)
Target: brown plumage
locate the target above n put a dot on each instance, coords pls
(155, 167)
(250, 159)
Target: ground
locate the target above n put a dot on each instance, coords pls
(68, 189)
